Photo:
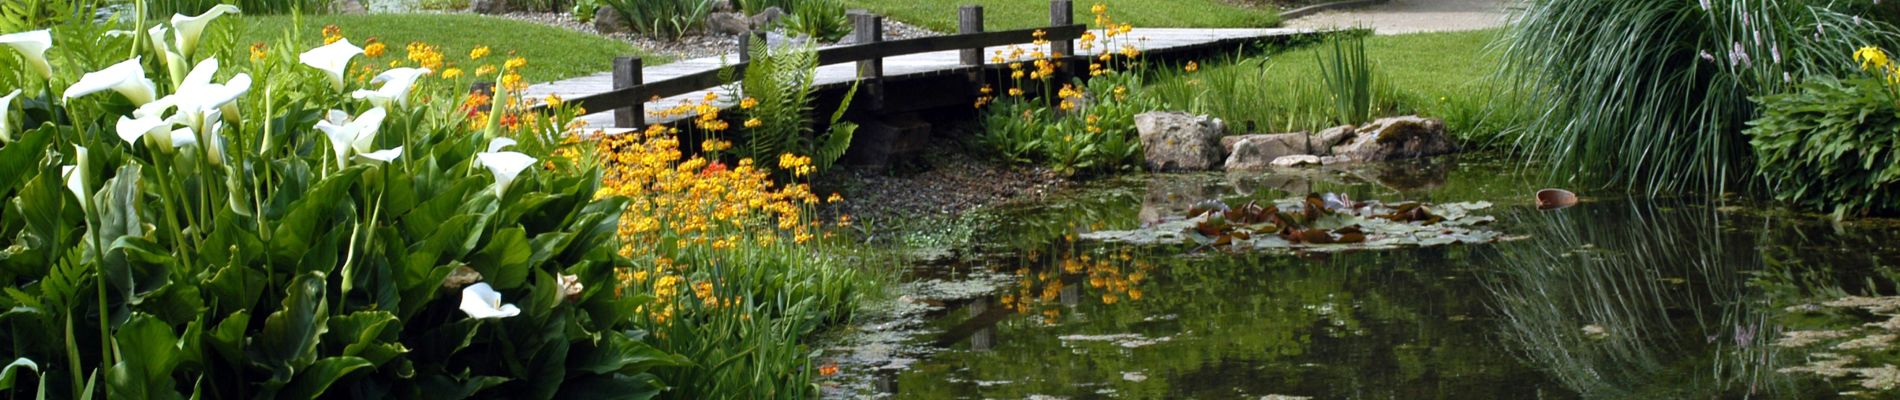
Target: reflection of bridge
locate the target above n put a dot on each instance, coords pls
(898, 76)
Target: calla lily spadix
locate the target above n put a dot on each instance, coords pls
(190, 29)
(127, 78)
(352, 136)
(481, 301)
(506, 166)
(32, 45)
(6, 116)
(333, 59)
(396, 84)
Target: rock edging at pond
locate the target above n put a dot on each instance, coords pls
(1177, 141)
(1316, 223)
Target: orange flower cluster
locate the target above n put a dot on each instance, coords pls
(332, 34)
(425, 55)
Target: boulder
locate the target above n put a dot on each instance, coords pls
(767, 18)
(489, 7)
(1297, 160)
(608, 21)
(348, 7)
(1257, 152)
(1397, 138)
(1176, 141)
(1332, 136)
(1227, 143)
(727, 23)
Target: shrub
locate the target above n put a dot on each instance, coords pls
(311, 233)
(1655, 93)
(163, 9)
(754, 7)
(1831, 145)
(21, 16)
(824, 20)
(666, 19)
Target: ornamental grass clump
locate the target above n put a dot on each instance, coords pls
(189, 217)
(1654, 94)
(1830, 144)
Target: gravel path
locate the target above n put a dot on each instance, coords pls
(1410, 16)
(693, 45)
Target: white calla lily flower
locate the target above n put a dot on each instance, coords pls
(6, 116)
(353, 136)
(499, 143)
(190, 29)
(383, 155)
(131, 130)
(481, 301)
(174, 62)
(127, 78)
(33, 46)
(396, 85)
(506, 166)
(76, 178)
(333, 59)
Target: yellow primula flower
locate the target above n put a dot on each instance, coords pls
(754, 123)
(516, 63)
(478, 53)
(375, 50)
(452, 73)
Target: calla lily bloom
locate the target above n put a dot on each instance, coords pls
(32, 45)
(396, 85)
(382, 155)
(127, 78)
(6, 116)
(499, 143)
(132, 129)
(189, 29)
(197, 95)
(506, 166)
(76, 178)
(174, 62)
(352, 137)
(333, 59)
(481, 301)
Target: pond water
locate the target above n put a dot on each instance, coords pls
(1618, 297)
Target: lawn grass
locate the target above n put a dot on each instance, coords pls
(1449, 75)
(941, 15)
(552, 53)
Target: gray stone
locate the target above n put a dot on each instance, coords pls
(767, 18)
(1397, 138)
(608, 21)
(490, 7)
(1257, 152)
(348, 7)
(1296, 160)
(727, 23)
(778, 40)
(887, 140)
(1176, 141)
(1333, 136)
(1227, 143)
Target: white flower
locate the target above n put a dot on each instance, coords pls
(191, 28)
(396, 85)
(174, 62)
(76, 178)
(127, 78)
(132, 129)
(481, 301)
(333, 59)
(499, 143)
(6, 116)
(505, 165)
(383, 155)
(354, 137)
(197, 96)
(571, 286)
(33, 46)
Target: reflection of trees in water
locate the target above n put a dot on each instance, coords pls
(1635, 301)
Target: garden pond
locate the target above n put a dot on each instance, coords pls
(1617, 297)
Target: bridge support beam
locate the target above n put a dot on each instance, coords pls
(627, 75)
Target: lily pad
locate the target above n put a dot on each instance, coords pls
(1317, 223)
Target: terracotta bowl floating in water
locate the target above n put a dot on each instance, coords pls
(1551, 199)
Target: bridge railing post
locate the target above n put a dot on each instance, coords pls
(1062, 13)
(868, 28)
(970, 20)
(627, 75)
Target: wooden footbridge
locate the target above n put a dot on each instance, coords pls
(894, 76)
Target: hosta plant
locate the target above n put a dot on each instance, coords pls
(185, 219)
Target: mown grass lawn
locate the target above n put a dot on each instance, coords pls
(941, 15)
(552, 53)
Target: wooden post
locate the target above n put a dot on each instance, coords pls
(745, 45)
(1062, 13)
(970, 20)
(626, 76)
(868, 28)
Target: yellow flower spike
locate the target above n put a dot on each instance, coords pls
(478, 52)
(1015, 92)
(754, 123)
(375, 49)
(748, 103)
(485, 70)
(1099, 8)
(259, 51)
(1192, 66)
(515, 63)
(452, 73)
(552, 100)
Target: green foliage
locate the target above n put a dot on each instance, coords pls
(26, 15)
(780, 81)
(754, 7)
(164, 9)
(1831, 145)
(824, 20)
(1654, 94)
(253, 264)
(665, 19)
(556, 53)
(1097, 135)
(584, 10)
(1348, 78)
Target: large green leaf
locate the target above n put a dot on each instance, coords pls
(312, 381)
(617, 353)
(21, 155)
(148, 350)
(12, 370)
(288, 342)
(503, 263)
(313, 215)
(371, 335)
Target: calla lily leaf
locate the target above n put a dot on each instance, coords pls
(33, 46)
(127, 78)
(333, 59)
(481, 301)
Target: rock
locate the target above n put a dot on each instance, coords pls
(1296, 160)
(727, 23)
(778, 40)
(348, 7)
(1177, 141)
(489, 7)
(1330, 160)
(1332, 136)
(608, 21)
(884, 141)
(1257, 152)
(1227, 143)
(767, 18)
(1397, 138)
